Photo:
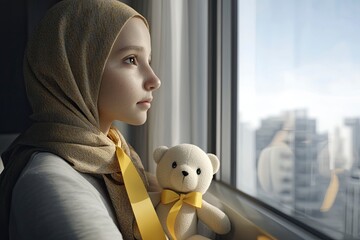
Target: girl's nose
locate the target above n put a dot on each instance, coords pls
(152, 82)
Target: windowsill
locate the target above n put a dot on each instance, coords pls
(249, 220)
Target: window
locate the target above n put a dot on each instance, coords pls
(297, 119)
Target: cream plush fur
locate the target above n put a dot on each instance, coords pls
(199, 167)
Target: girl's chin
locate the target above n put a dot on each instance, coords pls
(138, 122)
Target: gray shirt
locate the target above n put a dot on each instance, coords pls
(51, 200)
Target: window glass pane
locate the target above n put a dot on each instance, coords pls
(299, 110)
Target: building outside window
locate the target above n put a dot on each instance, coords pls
(298, 110)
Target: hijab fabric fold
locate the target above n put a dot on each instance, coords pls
(63, 67)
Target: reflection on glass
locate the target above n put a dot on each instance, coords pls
(299, 110)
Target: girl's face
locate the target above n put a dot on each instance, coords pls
(128, 80)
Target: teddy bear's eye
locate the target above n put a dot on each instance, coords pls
(174, 165)
(198, 171)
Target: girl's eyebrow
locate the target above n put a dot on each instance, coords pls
(128, 48)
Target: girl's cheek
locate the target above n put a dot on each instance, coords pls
(112, 65)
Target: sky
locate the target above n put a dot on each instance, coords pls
(299, 55)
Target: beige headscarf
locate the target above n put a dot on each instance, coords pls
(63, 67)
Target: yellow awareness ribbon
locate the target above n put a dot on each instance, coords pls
(143, 209)
(167, 196)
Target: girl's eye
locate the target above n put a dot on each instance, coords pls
(131, 60)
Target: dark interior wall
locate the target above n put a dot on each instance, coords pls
(13, 105)
(18, 19)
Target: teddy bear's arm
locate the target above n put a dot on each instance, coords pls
(214, 218)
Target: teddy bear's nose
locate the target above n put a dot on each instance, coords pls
(185, 173)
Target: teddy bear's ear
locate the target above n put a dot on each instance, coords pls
(214, 162)
(159, 152)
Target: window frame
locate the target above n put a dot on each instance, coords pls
(222, 132)
(222, 81)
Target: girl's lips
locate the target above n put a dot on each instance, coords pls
(146, 104)
(145, 101)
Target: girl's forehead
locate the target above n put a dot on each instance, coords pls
(133, 36)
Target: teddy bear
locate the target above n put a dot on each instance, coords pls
(185, 172)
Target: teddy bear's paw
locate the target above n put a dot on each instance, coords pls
(198, 237)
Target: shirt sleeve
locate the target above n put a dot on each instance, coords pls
(52, 201)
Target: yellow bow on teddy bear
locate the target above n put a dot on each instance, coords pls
(167, 196)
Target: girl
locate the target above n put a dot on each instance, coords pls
(87, 65)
